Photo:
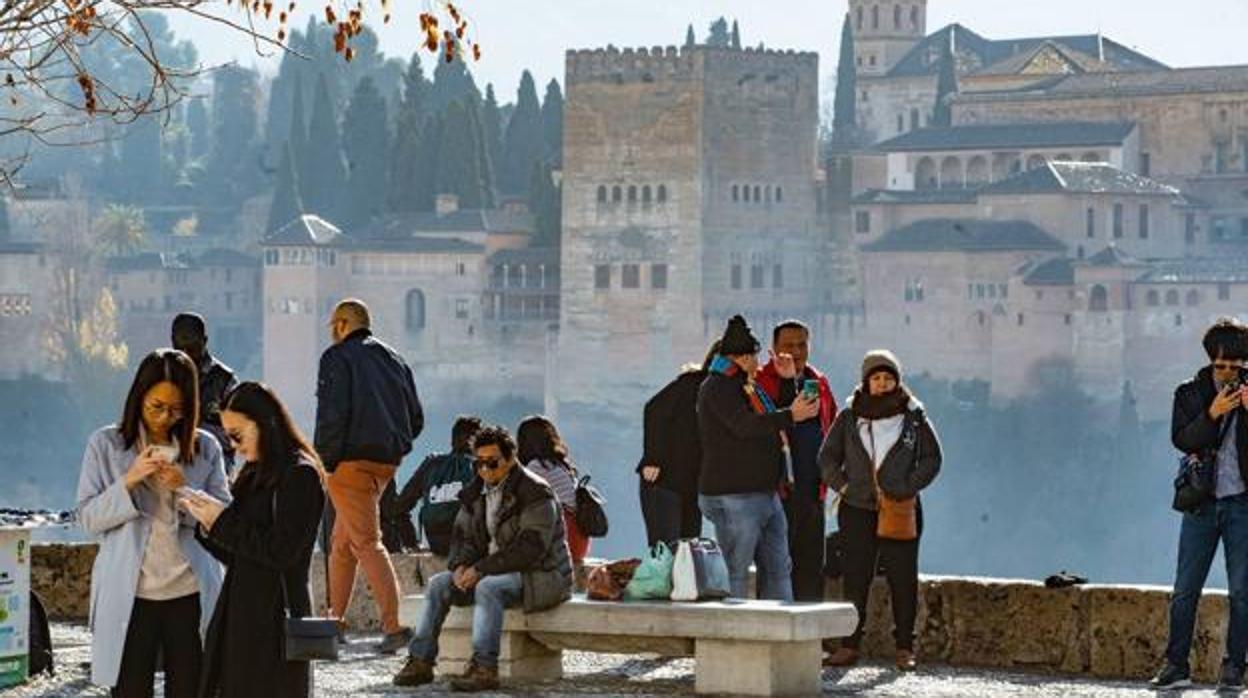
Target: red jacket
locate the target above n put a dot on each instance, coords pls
(768, 379)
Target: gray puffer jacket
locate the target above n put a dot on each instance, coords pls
(911, 464)
(531, 539)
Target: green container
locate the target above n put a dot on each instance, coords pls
(14, 606)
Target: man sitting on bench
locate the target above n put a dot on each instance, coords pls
(508, 547)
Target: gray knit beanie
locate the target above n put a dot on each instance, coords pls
(880, 360)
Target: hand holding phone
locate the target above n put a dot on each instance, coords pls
(810, 389)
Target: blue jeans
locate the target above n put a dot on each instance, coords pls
(492, 595)
(752, 528)
(1225, 520)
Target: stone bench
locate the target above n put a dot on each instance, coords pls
(740, 646)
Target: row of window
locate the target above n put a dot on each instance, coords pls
(1154, 297)
(15, 304)
(757, 193)
(300, 257)
(648, 195)
(521, 276)
(169, 303)
(630, 276)
(1117, 226)
(860, 17)
(757, 276)
(981, 291)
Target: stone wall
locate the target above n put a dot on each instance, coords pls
(1099, 630)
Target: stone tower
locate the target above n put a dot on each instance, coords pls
(884, 30)
(689, 195)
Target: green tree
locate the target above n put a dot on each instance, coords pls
(405, 156)
(140, 173)
(120, 230)
(233, 169)
(717, 34)
(492, 131)
(197, 124)
(365, 140)
(287, 204)
(426, 177)
(485, 170)
(452, 83)
(691, 39)
(946, 85)
(522, 144)
(5, 231)
(552, 122)
(546, 202)
(458, 170)
(322, 174)
(845, 106)
(736, 36)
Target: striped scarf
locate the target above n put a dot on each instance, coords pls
(761, 404)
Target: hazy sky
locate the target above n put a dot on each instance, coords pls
(533, 34)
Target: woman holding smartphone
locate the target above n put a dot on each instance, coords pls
(153, 586)
(265, 538)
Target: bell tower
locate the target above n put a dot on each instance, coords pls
(884, 30)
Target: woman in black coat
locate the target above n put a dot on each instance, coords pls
(672, 458)
(265, 538)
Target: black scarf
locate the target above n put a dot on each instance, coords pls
(869, 406)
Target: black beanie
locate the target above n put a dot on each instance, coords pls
(738, 339)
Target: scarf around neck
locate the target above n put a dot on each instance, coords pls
(869, 406)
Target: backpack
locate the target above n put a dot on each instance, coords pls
(447, 475)
(40, 639)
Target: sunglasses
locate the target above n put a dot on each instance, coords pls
(488, 463)
(1219, 366)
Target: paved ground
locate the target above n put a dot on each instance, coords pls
(360, 673)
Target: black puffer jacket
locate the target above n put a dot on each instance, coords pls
(366, 403)
(1193, 431)
(670, 434)
(531, 538)
(215, 380)
(740, 447)
(910, 465)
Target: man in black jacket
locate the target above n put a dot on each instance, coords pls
(190, 336)
(508, 548)
(745, 459)
(1208, 422)
(367, 415)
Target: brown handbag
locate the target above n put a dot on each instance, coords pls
(898, 519)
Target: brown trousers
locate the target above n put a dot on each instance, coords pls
(355, 488)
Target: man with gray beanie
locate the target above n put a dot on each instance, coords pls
(745, 459)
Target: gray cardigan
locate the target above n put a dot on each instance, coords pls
(847, 466)
(120, 521)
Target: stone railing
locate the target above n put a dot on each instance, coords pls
(1099, 630)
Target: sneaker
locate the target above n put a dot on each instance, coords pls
(1231, 680)
(1171, 676)
(416, 672)
(843, 656)
(476, 678)
(906, 660)
(395, 641)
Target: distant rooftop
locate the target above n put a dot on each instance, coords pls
(1063, 134)
(306, 230)
(1059, 271)
(916, 196)
(965, 235)
(1079, 177)
(1154, 82)
(1197, 270)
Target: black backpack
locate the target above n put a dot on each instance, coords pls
(40, 639)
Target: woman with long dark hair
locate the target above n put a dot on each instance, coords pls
(265, 538)
(879, 454)
(152, 586)
(540, 448)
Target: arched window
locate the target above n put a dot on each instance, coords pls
(662, 193)
(977, 171)
(645, 194)
(914, 119)
(1172, 297)
(632, 193)
(925, 174)
(736, 193)
(415, 310)
(896, 16)
(914, 17)
(1035, 161)
(1193, 298)
(616, 194)
(758, 193)
(1098, 299)
(875, 17)
(1152, 298)
(602, 194)
(859, 18)
(951, 173)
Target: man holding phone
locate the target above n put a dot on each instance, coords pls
(1209, 422)
(785, 376)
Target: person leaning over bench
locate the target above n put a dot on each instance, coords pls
(508, 548)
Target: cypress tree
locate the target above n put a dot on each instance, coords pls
(405, 154)
(322, 175)
(287, 204)
(5, 231)
(736, 36)
(365, 141)
(485, 173)
(691, 39)
(430, 142)
(197, 124)
(552, 122)
(946, 85)
(545, 201)
(845, 104)
(458, 172)
(522, 144)
(492, 132)
(718, 34)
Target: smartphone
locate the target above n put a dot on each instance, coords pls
(810, 389)
(168, 453)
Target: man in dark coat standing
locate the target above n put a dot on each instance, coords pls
(508, 548)
(367, 415)
(190, 336)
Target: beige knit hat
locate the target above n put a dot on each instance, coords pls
(880, 360)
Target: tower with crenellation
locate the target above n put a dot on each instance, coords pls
(688, 196)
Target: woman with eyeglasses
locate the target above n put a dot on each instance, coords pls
(153, 586)
(265, 538)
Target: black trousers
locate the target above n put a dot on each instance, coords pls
(669, 515)
(172, 629)
(864, 553)
(806, 545)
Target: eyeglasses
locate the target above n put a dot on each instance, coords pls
(158, 409)
(488, 463)
(1220, 366)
